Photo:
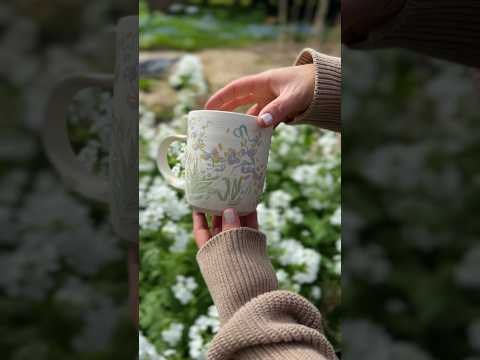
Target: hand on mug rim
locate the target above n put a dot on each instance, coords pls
(230, 220)
(277, 95)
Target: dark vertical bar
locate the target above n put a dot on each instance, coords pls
(68, 228)
(410, 127)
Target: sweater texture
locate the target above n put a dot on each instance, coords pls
(258, 321)
(324, 111)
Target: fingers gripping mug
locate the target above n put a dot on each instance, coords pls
(225, 161)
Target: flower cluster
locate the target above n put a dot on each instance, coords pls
(173, 334)
(189, 81)
(147, 351)
(184, 288)
(202, 329)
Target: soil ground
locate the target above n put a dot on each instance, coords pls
(226, 64)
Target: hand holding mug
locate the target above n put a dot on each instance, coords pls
(228, 221)
(225, 161)
(279, 94)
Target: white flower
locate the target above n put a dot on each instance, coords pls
(184, 288)
(336, 218)
(169, 352)
(328, 142)
(284, 149)
(306, 174)
(270, 218)
(282, 276)
(294, 214)
(295, 254)
(312, 265)
(201, 327)
(287, 134)
(337, 262)
(316, 292)
(189, 73)
(146, 350)
(178, 234)
(158, 201)
(192, 9)
(280, 199)
(213, 311)
(292, 252)
(173, 334)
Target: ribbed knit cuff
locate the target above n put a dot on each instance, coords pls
(283, 351)
(324, 111)
(236, 269)
(445, 29)
(278, 317)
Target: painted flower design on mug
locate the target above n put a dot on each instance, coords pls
(227, 174)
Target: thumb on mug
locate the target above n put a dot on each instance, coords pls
(276, 111)
(230, 219)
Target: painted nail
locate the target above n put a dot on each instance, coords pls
(229, 216)
(267, 119)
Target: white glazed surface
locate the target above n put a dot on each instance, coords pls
(226, 161)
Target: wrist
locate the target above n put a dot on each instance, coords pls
(236, 269)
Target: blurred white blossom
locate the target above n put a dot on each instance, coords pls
(202, 326)
(146, 350)
(280, 199)
(173, 334)
(336, 218)
(184, 288)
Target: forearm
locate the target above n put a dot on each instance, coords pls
(325, 109)
(446, 29)
(257, 320)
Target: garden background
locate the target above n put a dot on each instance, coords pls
(188, 51)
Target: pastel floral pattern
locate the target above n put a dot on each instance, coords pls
(226, 173)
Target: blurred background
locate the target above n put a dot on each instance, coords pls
(64, 281)
(410, 202)
(189, 49)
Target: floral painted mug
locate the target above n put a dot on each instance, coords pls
(226, 160)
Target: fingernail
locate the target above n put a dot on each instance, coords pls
(267, 119)
(229, 216)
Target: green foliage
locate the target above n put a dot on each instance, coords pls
(193, 33)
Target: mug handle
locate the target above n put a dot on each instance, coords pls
(56, 141)
(162, 161)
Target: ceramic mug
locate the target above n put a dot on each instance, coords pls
(226, 160)
(120, 188)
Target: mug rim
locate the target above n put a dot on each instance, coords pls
(224, 112)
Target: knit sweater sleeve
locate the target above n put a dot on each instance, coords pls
(446, 29)
(324, 110)
(258, 321)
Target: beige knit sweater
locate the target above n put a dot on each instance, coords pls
(258, 321)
